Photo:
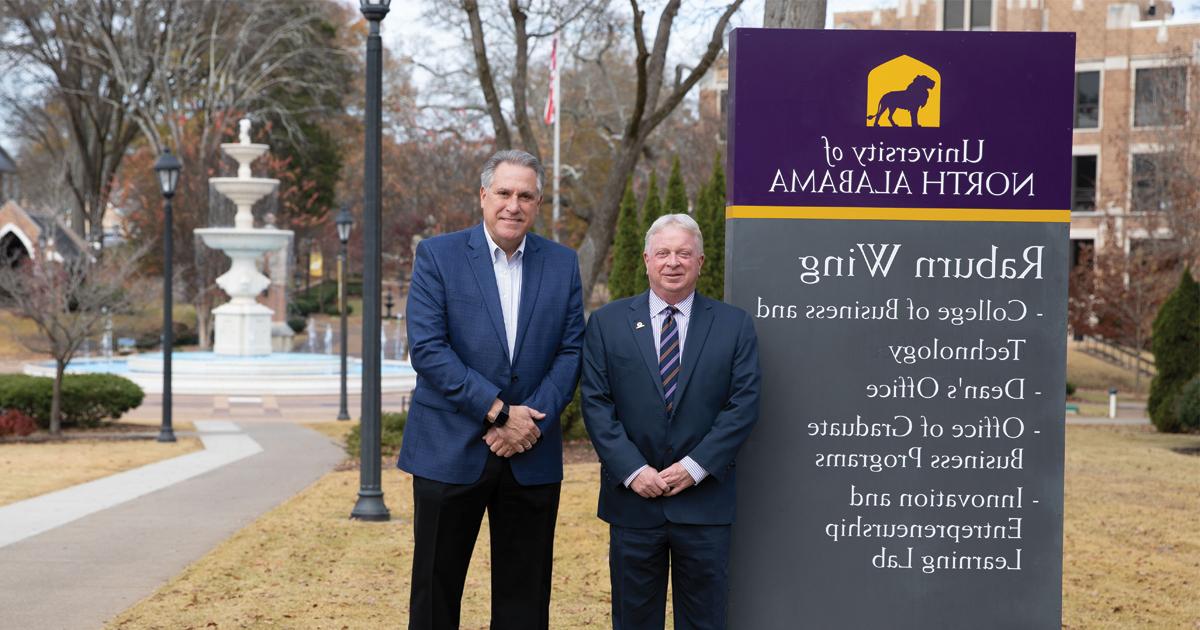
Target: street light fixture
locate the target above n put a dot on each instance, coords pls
(344, 222)
(370, 505)
(167, 167)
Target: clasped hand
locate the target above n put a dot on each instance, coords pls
(651, 483)
(518, 435)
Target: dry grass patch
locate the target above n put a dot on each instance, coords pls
(152, 423)
(1088, 372)
(29, 470)
(336, 431)
(1132, 551)
(12, 330)
(305, 565)
(1132, 532)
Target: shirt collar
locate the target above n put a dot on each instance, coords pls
(497, 252)
(684, 306)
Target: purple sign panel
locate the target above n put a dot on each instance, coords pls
(897, 224)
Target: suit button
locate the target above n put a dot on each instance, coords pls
(514, 378)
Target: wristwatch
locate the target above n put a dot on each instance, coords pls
(501, 416)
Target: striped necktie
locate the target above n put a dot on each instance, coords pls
(668, 356)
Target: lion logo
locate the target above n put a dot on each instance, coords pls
(904, 92)
(910, 99)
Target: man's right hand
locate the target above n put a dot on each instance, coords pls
(648, 484)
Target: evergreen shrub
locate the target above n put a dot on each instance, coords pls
(87, 399)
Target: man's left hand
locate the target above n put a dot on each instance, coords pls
(678, 478)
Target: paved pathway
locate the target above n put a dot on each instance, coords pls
(84, 572)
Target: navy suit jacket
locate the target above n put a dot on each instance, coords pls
(459, 350)
(716, 405)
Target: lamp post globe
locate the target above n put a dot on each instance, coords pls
(344, 222)
(370, 505)
(167, 168)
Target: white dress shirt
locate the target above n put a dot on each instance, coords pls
(508, 281)
(683, 315)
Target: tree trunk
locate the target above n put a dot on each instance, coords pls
(602, 224)
(60, 367)
(486, 82)
(794, 14)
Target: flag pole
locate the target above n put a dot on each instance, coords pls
(557, 142)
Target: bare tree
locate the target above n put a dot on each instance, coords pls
(79, 113)
(218, 61)
(653, 100)
(794, 14)
(67, 301)
(622, 90)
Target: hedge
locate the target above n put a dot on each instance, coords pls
(393, 430)
(393, 434)
(87, 399)
(1176, 335)
(16, 422)
(1187, 406)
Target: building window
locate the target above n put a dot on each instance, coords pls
(1154, 255)
(973, 15)
(1150, 183)
(1082, 251)
(1087, 99)
(1160, 96)
(1083, 183)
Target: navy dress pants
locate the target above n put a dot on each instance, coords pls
(697, 560)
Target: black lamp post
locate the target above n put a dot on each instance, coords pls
(344, 222)
(167, 167)
(370, 505)
(389, 303)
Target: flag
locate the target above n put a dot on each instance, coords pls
(552, 100)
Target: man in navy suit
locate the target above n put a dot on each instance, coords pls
(495, 323)
(670, 393)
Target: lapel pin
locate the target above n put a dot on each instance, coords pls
(639, 326)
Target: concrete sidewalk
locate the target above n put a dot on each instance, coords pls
(81, 574)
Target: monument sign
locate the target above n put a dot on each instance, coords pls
(898, 225)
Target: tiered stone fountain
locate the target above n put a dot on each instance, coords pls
(242, 361)
(243, 326)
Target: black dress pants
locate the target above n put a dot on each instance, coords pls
(521, 521)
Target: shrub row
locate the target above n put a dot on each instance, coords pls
(16, 422)
(393, 434)
(393, 430)
(1187, 406)
(322, 298)
(87, 399)
(1176, 336)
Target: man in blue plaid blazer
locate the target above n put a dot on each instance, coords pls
(495, 326)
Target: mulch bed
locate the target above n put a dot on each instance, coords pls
(109, 431)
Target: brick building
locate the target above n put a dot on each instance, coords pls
(1134, 82)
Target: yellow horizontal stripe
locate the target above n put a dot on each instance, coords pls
(897, 214)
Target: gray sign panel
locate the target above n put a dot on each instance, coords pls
(907, 468)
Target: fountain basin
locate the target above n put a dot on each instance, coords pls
(281, 374)
(249, 241)
(244, 153)
(254, 188)
(244, 191)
